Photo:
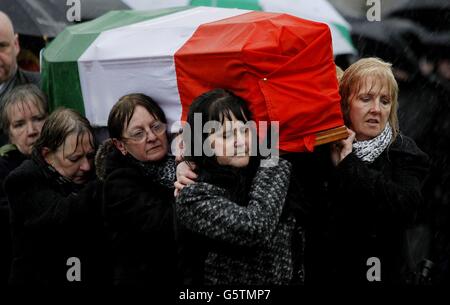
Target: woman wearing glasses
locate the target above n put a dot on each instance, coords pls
(138, 178)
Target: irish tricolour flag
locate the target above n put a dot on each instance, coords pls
(316, 10)
(281, 64)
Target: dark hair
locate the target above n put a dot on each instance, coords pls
(215, 105)
(122, 112)
(22, 94)
(59, 125)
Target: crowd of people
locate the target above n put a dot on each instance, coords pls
(134, 214)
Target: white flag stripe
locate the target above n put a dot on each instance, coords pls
(154, 4)
(317, 10)
(141, 56)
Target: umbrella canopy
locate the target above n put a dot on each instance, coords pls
(395, 40)
(432, 14)
(49, 17)
(436, 44)
(274, 61)
(91, 9)
(36, 18)
(318, 10)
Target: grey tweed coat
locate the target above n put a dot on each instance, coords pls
(257, 239)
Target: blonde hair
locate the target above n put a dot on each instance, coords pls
(339, 73)
(355, 76)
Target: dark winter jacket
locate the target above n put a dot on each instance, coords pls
(138, 211)
(309, 199)
(373, 206)
(51, 222)
(10, 158)
(22, 77)
(245, 241)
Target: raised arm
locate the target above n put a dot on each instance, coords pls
(204, 208)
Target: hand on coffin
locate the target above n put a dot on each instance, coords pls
(341, 149)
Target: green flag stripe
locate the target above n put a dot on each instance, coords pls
(242, 4)
(61, 83)
(60, 76)
(344, 31)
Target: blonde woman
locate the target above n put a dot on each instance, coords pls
(378, 178)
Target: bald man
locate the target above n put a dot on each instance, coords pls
(10, 75)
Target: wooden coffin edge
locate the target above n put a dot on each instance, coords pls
(331, 135)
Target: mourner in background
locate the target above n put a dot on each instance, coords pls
(10, 74)
(22, 115)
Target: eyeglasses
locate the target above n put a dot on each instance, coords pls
(140, 135)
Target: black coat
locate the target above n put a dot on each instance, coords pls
(373, 205)
(10, 158)
(309, 199)
(20, 78)
(139, 218)
(50, 224)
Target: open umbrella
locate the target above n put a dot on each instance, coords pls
(282, 65)
(49, 17)
(432, 14)
(91, 9)
(395, 40)
(318, 10)
(36, 18)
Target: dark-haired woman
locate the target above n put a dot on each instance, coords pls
(138, 178)
(240, 231)
(52, 205)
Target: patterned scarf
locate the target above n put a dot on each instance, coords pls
(369, 150)
(164, 171)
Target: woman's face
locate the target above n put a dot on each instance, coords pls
(370, 109)
(26, 121)
(144, 137)
(232, 143)
(74, 158)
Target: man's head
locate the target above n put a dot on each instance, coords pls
(9, 48)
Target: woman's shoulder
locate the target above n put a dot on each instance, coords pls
(26, 174)
(405, 153)
(28, 168)
(407, 146)
(10, 158)
(119, 175)
(109, 161)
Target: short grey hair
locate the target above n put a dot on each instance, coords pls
(21, 94)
